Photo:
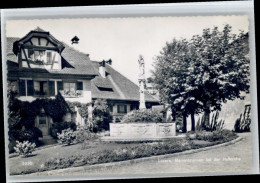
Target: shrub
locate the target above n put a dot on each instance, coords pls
(242, 124)
(32, 135)
(142, 115)
(218, 135)
(57, 127)
(83, 134)
(120, 154)
(101, 116)
(24, 148)
(66, 137)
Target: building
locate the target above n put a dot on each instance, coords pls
(40, 66)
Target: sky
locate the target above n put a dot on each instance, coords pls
(124, 39)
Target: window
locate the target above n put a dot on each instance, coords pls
(69, 87)
(49, 57)
(51, 88)
(121, 108)
(105, 89)
(134, 107)
(30, 88)
(30, 54)
(59, 85)
(38, 55)
(22, 89)
(79, 85)
(40, 87)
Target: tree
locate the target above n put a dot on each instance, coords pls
(200, 74)
(221, 67)
(172, 69)
(101, 115)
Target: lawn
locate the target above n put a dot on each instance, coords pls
(96, 152)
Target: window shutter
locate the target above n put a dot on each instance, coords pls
(125, 106)
(22, 91)
(30, 88)
(79, 85)
(118, 108)
(111, 108)
(59, 86)
(51, 88)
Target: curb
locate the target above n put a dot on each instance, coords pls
(128, 162)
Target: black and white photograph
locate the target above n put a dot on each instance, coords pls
(129, 91)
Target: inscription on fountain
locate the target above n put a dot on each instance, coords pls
(142, 130)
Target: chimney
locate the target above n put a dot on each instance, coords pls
(102, 68)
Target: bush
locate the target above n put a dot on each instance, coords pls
(57, 127)
(120, 154)
(83, 134)
(66, 137)
(32, 135)
(24, 148)
(142, 115)
(218, 135)
(101, 116)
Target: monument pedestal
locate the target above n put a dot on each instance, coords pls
(141, 131)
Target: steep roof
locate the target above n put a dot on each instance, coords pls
(78, 63)
(122, 87)
(73, 61)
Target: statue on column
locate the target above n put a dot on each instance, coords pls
(141, 82)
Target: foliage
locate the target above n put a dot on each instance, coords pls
(21, 117)
(20, 122)
(101, 116)
(83, 134)
(56, 108)
(59, 126)
(218, 135)
(142, 115)
(120, 154)
(24, 148)
(242, 124)
(82, 109)
(66, 137)
(213, 125)
(200, 74)
(103, 152)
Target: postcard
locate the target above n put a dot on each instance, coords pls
(129, 91)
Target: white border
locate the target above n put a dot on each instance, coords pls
(146, 10)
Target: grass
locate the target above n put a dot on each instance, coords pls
(96, 152)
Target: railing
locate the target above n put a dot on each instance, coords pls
(71, 94)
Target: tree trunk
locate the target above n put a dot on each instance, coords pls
(206, 115)
(192, 122)
(173, 114)
(184, 129)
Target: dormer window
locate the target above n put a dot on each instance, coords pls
(39, 49)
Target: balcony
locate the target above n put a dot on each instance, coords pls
(71, 94)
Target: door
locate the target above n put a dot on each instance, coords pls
(43, 124)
